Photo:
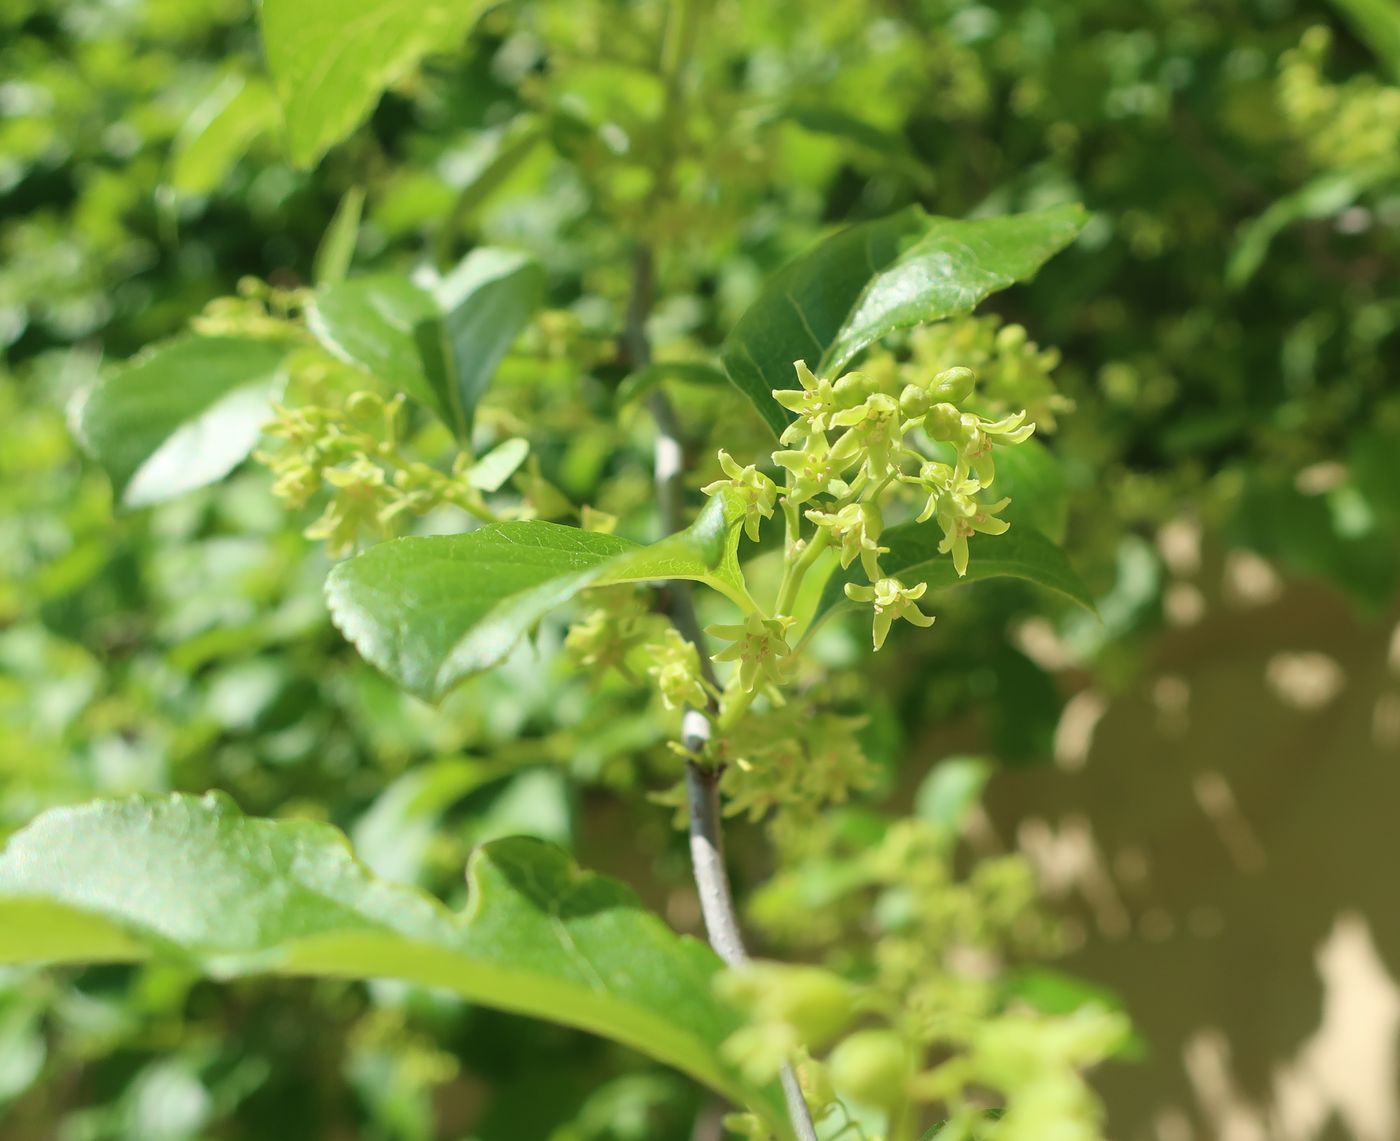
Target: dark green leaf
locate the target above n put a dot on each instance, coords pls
(1031, 475)
(642, 381)
(867, 281)
(432, 611)
(181, 415)
(1020, 553)
(331, 59)
(195, 880)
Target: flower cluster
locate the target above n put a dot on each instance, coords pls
(1349, 126)
(857, 442)
(931, 1028)
(258, 309)
(353, 452)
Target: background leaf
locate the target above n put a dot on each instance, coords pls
(432, 611)
(337, 248)
(441, 345)
(219, 131)
(195, 879)
(1377, 22)
(876, 277)
(181, 415)
(485, 302)
(331, 59)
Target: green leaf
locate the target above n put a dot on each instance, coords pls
(194, 880)
(493, 469)
(1031, 475)
(337, 248)
(440, 346)
(1325, 196)
(219, 132)
(913, 558)
(485, 303)
(434, 610)
(1377, 23)
(331, 59)
(181, 415)
(867, 281)
(637, 384)
(950, 791)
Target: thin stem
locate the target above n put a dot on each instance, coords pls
(701, 782)
(797, 569)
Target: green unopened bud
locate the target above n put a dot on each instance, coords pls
(364, 405)
(943, 422)
(814, 1002)
(1012, 338)
(914, 401)
(954, 384)
(873, 1067)
(853, 389)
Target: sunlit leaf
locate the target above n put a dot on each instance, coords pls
(871, 279)
(181, 415)
(434, 610)
(331, 61)
(194, 880)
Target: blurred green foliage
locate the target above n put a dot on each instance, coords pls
(1224, 336)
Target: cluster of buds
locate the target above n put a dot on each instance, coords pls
(353, 453)
(258, 309)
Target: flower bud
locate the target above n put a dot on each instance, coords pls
(1011, 339)
(853, 388)
(873, 1067)
(943, 422)
(914, 402)
(954, 384)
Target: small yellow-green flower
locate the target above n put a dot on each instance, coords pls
(874, 429)
(755, 490)
(891, 599)
(856, 529)
(676, 668)
(815, 403)
(816, 468)
(760, 647)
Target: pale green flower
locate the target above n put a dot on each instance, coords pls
(760, 647)
(874, 431)
(676, 668)
(856, 529)
(755, 490)
(891, 599)
(815, 403)
(817, 468)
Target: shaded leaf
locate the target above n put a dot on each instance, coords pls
(1377, 23)
(1325, 196)
(431, 611)
(639, 383)
(867, 281)
(332, 59)
(913, 558)
(195, 880)
(180, 415)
